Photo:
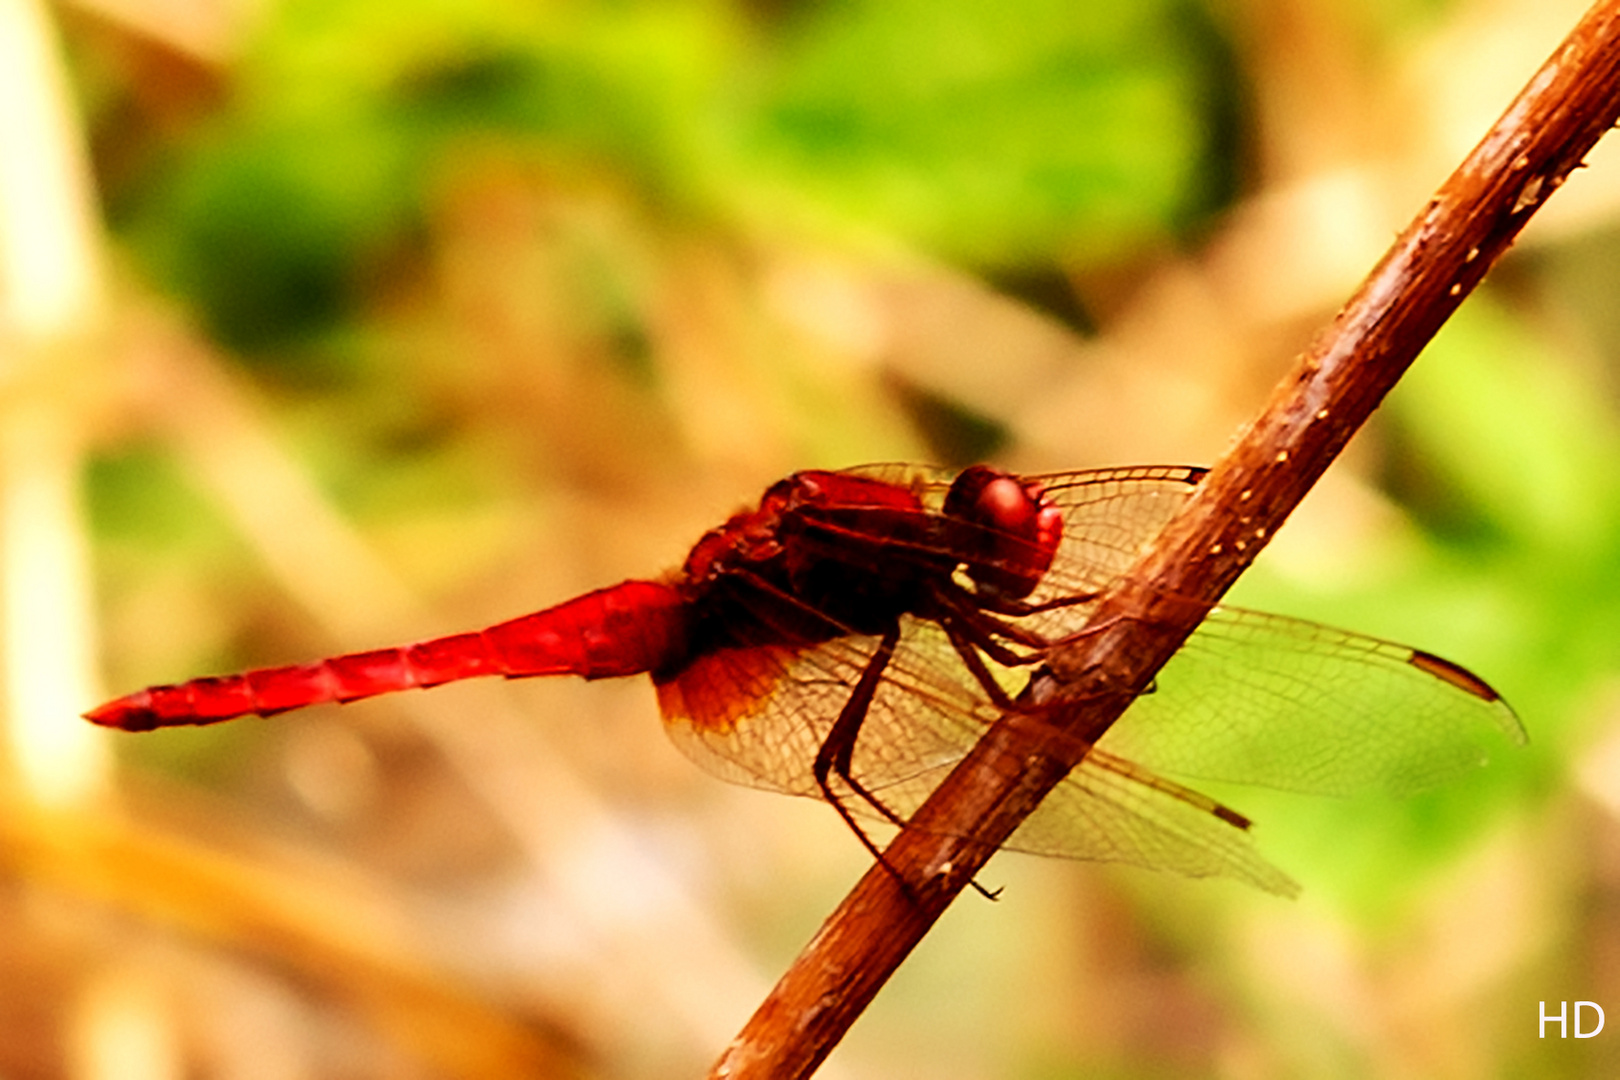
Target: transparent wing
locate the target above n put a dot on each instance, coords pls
(758, 717)
(1289, 704)
(1112, 810)
(1109, 516)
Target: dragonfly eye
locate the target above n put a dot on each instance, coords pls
(1002, 529)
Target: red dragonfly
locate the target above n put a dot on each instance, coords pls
(853, 635)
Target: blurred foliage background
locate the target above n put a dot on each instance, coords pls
(396, 319)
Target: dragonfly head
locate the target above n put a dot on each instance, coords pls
(1004, 529)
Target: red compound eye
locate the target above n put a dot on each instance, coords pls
(1004, 531)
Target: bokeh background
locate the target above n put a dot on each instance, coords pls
(336, 324)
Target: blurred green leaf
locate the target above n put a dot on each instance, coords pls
(997, 134)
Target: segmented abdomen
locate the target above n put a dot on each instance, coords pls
(626, 629)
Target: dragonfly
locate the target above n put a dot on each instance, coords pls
(851, 636)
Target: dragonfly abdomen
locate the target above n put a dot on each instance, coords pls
(626, 629)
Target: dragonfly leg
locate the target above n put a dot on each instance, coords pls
(837, 752)
(1017, 609)
(968, 650)
(991, 617)
(956, 609)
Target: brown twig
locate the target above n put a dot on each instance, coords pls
(1336, 384)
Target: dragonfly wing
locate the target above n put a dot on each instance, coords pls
(1109, 517)
(742, 715)
(1112, 810)
(759, 715)
(1283, 703)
